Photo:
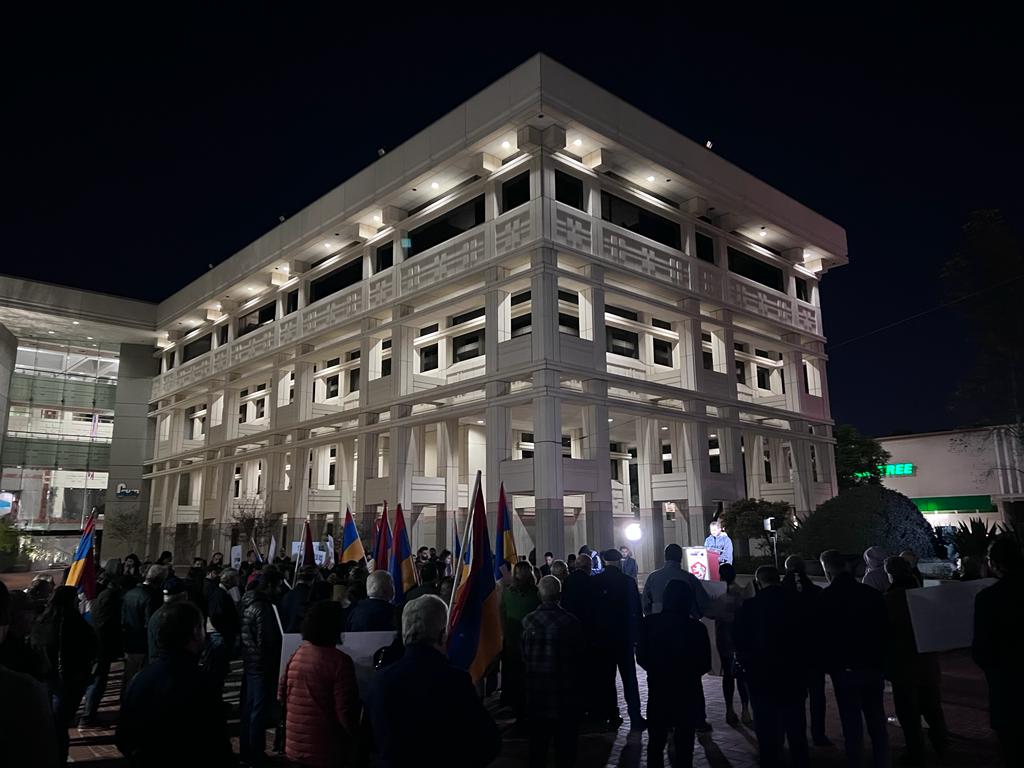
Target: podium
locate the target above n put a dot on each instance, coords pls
(702, 563)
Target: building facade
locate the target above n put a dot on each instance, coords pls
(546, 286)
(958, 475)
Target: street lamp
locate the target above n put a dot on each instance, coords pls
(633, 532)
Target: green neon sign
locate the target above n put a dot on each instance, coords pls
(904, 469)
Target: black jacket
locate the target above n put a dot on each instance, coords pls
(674, 649)
(372, 615)
(770, 633)
(401, 737)
(618, 601)
(293, 606)
(137, 607)
(173, 715)
(261, 637)
(998, 628)
(223, 615)
(106, 619)
(68, 643)
(852, 620)
(578, 595)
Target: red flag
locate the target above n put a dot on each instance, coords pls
(308, 555)
(381, 541)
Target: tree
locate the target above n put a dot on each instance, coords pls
(125, 526)
(744, 520)
(858, 458)
(862, 517)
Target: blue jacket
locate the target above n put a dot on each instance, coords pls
(721, 544)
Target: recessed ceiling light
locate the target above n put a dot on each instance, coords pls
(376, 218)
(764, 232)
(650, 178)
(89, 338)
(75, 322)
(250, 289)
(610, 420)
(664, 429)
(708, 143)
(578, 142)
(51, 332)
(285, 268)
(505, 145)
(434, 185)
(479, 421)
(327, 245)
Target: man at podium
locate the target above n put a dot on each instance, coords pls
(719, 543)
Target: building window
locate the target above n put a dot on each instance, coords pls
(569, 190)
(571, 297)
(261, 408)
(802, 291)
(385, 367)
(741, 372)
(629, 216)
(169, 360)
(237, 490)
(764, 378)
(465, 317)
(222, 335)
(243, 409)
(468, 346)
(333, 386)
(428, 358)
(628, 314)
(258, 317)
(331, 474)
(428, 330)
(814, 464)
(665, 325)
(747, 266)
(353, 355)
(708, 360)
(336, 280)
(384, 257)
(194, 349)
(291, 302)
(520, 298)
(705, 247)
(807, 380)
(353, 380)
(666, 459)
(522, 325)
(625, 343)
(663, 352)
(568, 324)
(767, 465)
(714, 454)
(448, 225)
(515, 192)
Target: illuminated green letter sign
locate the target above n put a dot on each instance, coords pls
(891, 470)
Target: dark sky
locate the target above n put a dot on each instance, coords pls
(145, 148)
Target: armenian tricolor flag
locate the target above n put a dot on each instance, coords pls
(474, 627)
(504, 541)
(403, 569)
(351, 544)
(83, 568)
(381, 541)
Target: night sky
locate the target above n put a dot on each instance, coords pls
(144, 149)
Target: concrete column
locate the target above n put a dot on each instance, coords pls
(448, 468)
(499, 447)
(401, 460)
(600, 528)
(591, 309)
(722, 347)
(131, 445)
(366, 469)
(700, 509)
(548, 488)
(802, 477)
(691, 351)
(652, 523)
(677, 439)
(497, 318)
(544, 302)
(8, 358)
(793, 370)
(403, 362)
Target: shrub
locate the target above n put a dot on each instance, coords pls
(744, 519)
(862, 517)
(972, 540)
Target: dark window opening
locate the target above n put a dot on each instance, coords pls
(705, 246)
(386, 344)
(625, 343)
(568, 324)
(341, 278)
(428, 330)
(331, 473)
(332, 362)
(802, 291)
(663, 352)
(705, 336)
(384, 257)
(250, 322)
(571, 297)
(333, 384)
(754, 269)
(515, 192)
(709, 361)
(465, 317)
(353, 380)
(520, 298)
(763, 378)
(741, 372)
(353, 355)
(428, 358)
(385, 367)
(194, 349)
(569, 190)
(448, 225)
(629, 314)
(522, 325)
(767, 466)
(663, 324)
(291, 302)
(807, 380)
(527, 454)
(526, 437)
(222, 335)
(468, 346)
(636, 219)
(714, 454)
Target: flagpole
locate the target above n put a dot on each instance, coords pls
(462, 554)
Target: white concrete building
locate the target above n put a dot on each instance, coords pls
(957, 475)
(545, 285)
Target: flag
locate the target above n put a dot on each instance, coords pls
(474, 628)
(306, 553)
(256, 548)
(504, 541)
(330, 562)
(403, 569)
(83, 567)
(381, 540)
(271, 550)
(351, 544)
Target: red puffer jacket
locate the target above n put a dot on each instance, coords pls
(321, 700)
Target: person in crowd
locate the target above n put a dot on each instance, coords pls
(166, 558)
(724, 614)
(217, 559)
(261, 658)
(69, 646)
(552, 639)
(400, 736)
(247, 568)
(319, 692)
(797, 583)
(174, 592)
(137, 607)
(915, 676)
(173, 714)
(674, 649)
(629, 566)
(545, 568)
(211, 584)
(447, 585)
(422, 557)
(719, 542)
(16, 650)
(853, 616)
(445, 561)
(570, 560)
(27, 736)
(912, 560)
(769, 634)
(654, 586)
(560, 570)
(971, 568)
(578, 592)
(377, 612)
(874, 569)
(223, 626)
(106, 620)
(293, 606)
(998, 629)
(132, 575)
(517, 602)
(430, 581)
(41, 591)
(615, 645)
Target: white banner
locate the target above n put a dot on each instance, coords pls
(236, 556)
(943, 616)
(697, 562)
(360, 647)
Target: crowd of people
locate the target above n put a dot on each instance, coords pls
(564, 623)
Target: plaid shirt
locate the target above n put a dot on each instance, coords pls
(553, 644)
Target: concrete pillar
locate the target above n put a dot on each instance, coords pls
(366, 469)
(648, 464)
(591, 309)
(691, 351)
(699, 508)
(497, 319)
(548, 488)
(600, 528)
(499, 447)
(130, 446)
(8, 358)
(544, 302)
(677, 439)
(401, 460)
(448, 468)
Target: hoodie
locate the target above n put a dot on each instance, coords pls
(874, 574)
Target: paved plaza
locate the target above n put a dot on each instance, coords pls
(964, 693)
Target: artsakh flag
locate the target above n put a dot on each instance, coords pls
(504, 541)
(403, 569)
(83, 567)
(474, 627)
